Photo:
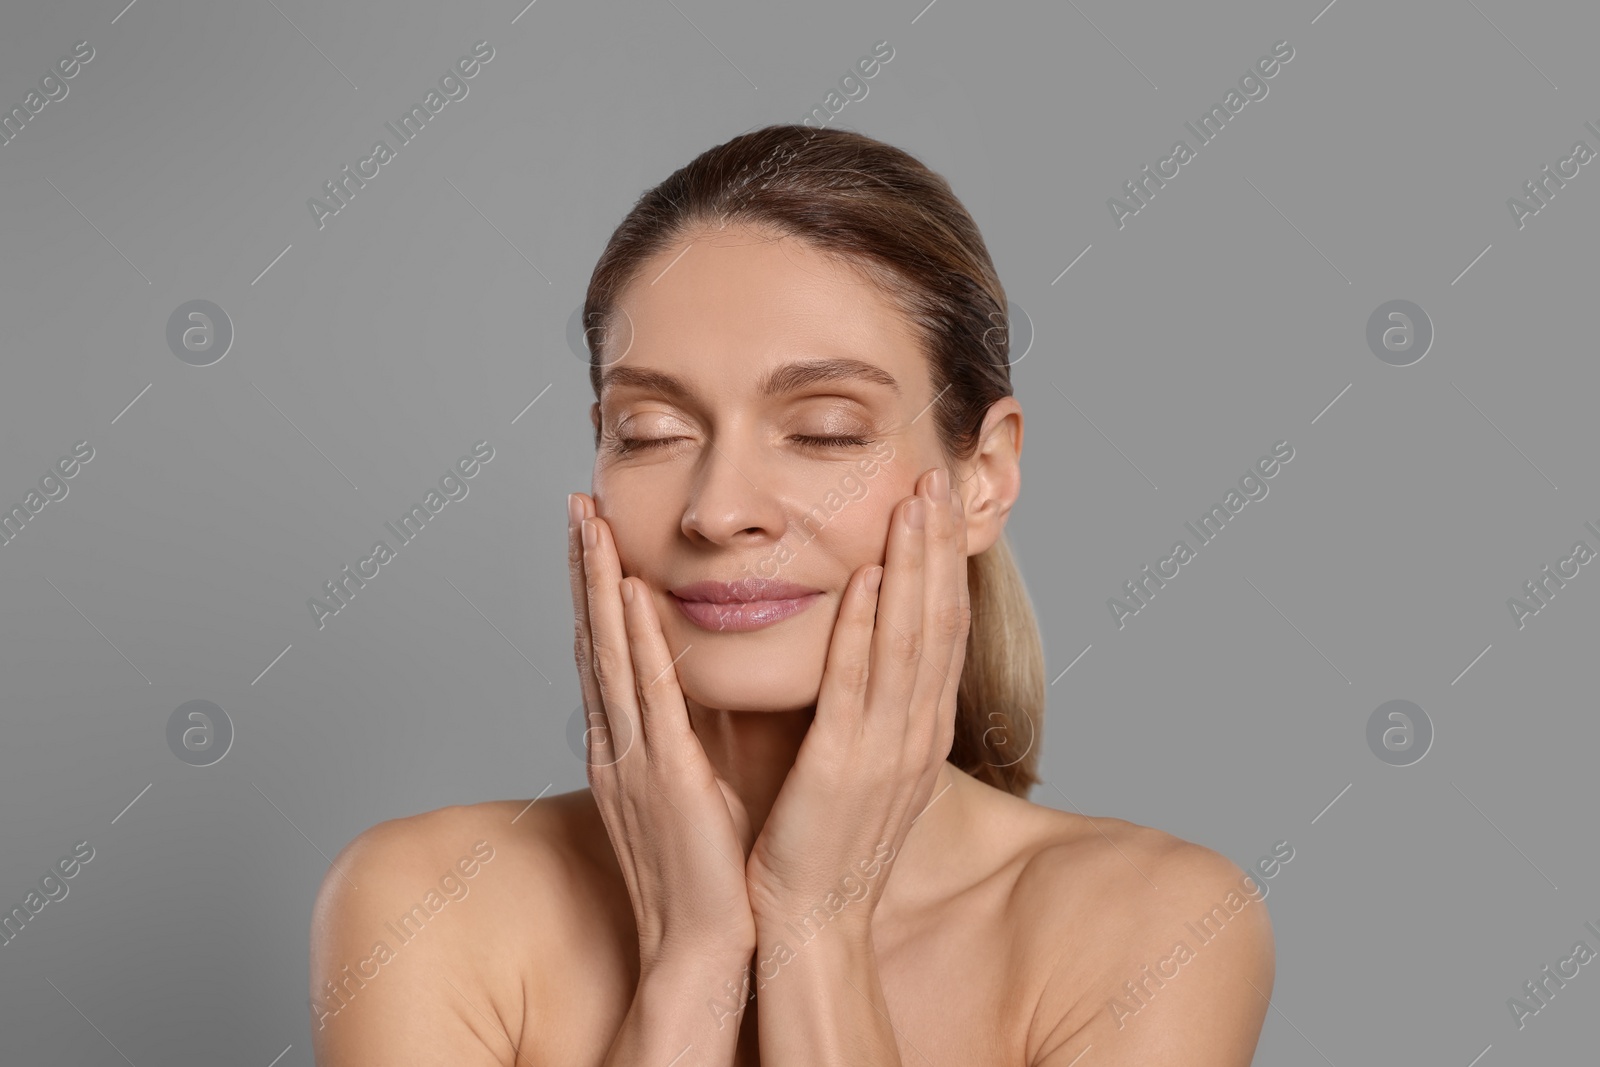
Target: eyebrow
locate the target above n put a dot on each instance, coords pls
(789, 378)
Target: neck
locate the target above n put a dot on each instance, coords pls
(753, 752)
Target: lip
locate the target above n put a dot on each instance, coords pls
(743, 591)
(739, 616)
(750, 603)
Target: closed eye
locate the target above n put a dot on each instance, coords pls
(626, 445)
(831, 442)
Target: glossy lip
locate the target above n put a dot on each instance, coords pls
(739, 616)
(744, 590)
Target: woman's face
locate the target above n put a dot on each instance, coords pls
(763, 410)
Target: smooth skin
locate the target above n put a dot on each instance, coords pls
(626, 923)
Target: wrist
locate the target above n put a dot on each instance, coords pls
(797, 962)
(713, 986)
(698, 965)
(693, 999)
(849, 928)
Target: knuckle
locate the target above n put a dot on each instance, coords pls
(907, 646)
(950, 619)
(608, 664)
(853, 676)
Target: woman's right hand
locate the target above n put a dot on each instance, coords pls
(680, 833)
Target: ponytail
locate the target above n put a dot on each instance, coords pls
(1000, 700)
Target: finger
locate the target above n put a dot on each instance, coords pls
(596, 732)
(897, 638)
(843, 695)
(947, 705)
(613, 661)
(662, 711)
(953, 557)
(943, 734)
(942, 623)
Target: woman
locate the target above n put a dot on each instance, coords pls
(814, 686)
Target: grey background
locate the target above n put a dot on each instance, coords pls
(1227, 315)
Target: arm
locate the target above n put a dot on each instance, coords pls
(682, 1013)
(821, 999)
(1168, 989)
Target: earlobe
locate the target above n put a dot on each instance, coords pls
(995, 475)
(984, 524)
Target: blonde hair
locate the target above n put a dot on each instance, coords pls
(879, 209)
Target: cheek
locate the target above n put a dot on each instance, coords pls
(637, 527)
(886, 491)
(857, 532)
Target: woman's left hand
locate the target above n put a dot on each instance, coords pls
(884, 724)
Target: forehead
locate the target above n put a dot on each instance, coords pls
(722, 308)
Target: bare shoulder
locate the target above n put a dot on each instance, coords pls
(423, 925)
(1147, 945)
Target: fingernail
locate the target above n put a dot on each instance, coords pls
(939, 484)
(874, 579)
(627, 592)
(574, 510)
(590, 538)
(914, 514)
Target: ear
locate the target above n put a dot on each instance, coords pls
(992, 479)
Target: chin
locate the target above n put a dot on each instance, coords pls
(774, 668)
(785, 683)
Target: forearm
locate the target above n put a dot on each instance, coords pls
(683, 1014)
(821, 1001)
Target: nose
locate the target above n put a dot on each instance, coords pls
(732, 502)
